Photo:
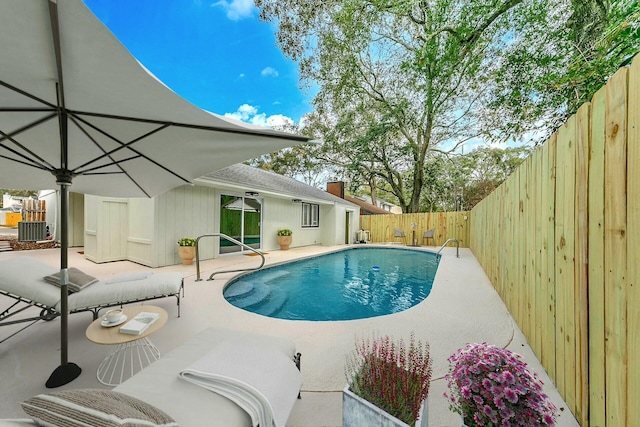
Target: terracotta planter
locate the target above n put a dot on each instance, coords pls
(358, 412)
(284, 242)
(187, 254)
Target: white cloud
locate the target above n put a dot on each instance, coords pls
(269, 72)
(249, 114)
(244, 113)
(279, 121)
(237, 9)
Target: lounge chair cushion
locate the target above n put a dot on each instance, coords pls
(94, 407)
(23, 422)
(129, 277)
(77, 279)
(23, 277)
(160, 384)
(154, 285)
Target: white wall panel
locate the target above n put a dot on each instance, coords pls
(186, 211)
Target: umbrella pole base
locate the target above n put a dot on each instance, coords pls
(63, 374)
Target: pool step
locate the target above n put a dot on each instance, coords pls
(245, 287)
(251, 299)
(238, 290)
(271, 305)
(275, 276)
(257, 296)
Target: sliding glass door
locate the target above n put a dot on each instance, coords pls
(240, 218)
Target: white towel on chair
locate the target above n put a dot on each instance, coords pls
(250, 376)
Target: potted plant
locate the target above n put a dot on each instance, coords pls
(187, 250)
(489, 385)
(387, 383)
(284, 238)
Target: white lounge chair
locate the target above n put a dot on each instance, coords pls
(160, 384)
(22, 279)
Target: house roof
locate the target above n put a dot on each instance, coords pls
(367, 208)
(252, 179)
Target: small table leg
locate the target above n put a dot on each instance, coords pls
(126, 360)
(414, 242)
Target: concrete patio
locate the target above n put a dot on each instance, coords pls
(462, 307)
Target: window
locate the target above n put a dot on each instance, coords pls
(310, 215)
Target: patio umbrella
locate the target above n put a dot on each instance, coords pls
(78, 110)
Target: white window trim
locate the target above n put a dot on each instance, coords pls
(310, 215)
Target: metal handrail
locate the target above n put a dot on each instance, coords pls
(231, 239)
(446, 243)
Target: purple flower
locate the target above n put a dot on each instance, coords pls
(496, 386)
(508, 377)
(507, 413)
(511, 395)
(493, 418)
(548, 419)
(465, 392)
(478, 419)
(494, 376)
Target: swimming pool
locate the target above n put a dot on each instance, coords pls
(355, 283)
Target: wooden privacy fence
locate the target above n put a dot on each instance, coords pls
(446, 225)
(34, 210)
(560, 242)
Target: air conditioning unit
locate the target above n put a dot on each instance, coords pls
(32, 231)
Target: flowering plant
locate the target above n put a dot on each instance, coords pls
(391, 376)
(284, 232)
(491, 386)
(187, 241)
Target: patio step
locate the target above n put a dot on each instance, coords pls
(5, 246)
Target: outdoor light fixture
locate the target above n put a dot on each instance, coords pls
(296, 201)
(251, 194)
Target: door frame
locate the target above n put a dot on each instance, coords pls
(242, 211)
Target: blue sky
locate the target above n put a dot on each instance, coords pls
(216, 54)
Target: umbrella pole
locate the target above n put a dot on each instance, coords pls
(67, 371)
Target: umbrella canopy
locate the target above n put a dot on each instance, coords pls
(78, 110)
(128, 134)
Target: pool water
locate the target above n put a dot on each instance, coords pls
(351, 284)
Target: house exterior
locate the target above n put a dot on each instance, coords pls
(245, 203)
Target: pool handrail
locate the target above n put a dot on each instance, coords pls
(446, 243)
(232, 240)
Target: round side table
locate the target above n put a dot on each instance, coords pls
(132, 353)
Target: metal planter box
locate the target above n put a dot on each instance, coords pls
(357, 412)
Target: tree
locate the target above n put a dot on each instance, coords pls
(299, 162)
(458, 182)
(21, 193)
(547, 76)
(400, 79)
(605, 35)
